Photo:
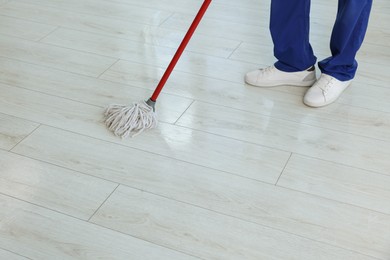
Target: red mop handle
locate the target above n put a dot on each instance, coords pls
(180, 50)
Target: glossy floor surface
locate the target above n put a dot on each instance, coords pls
(232, 171)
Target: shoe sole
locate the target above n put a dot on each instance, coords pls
(317, 106)
(279, 84)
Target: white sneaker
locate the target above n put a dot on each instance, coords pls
(325, 91)
(272, 77)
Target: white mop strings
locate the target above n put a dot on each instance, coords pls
(130, 120)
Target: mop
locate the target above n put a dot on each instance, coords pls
(132, 120)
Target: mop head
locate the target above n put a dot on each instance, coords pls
(132, 120)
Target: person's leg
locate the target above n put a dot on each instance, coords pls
(289, 26)
(347, 37)
(339, 69)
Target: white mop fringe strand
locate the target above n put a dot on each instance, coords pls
(132, 120)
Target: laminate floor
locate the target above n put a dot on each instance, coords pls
(231, 172)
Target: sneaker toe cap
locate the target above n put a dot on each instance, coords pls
(314, 97)
(252, 77)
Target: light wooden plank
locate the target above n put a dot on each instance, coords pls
(243, 198)
(124, 8)
(375, 54)
(155, 55)
(119, 7)
(362, 152)
(24, 29)
(137, 32)
(342, 183)
(99, 9)
(381, 4)
(261, 170)
(13, 130)
(192, 63)
(379, 13)
(184, 84)
(46, 109)
(10, 256)
(126, 165)
(378, 6)
(39, 233)
(225, 29)
(217, 10)
(90, 90)
(52, 187)
(55, 57)
(257, 53)
(373, 74)
(253, 31)
(340, 117)
(365, 95)
(151, 36)
(379, 36)
(262, 52)
(204, 233)
(244, 3)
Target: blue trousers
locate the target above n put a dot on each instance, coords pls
(290, 24)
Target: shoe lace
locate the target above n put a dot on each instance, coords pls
(267, 70)
(328, 85)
